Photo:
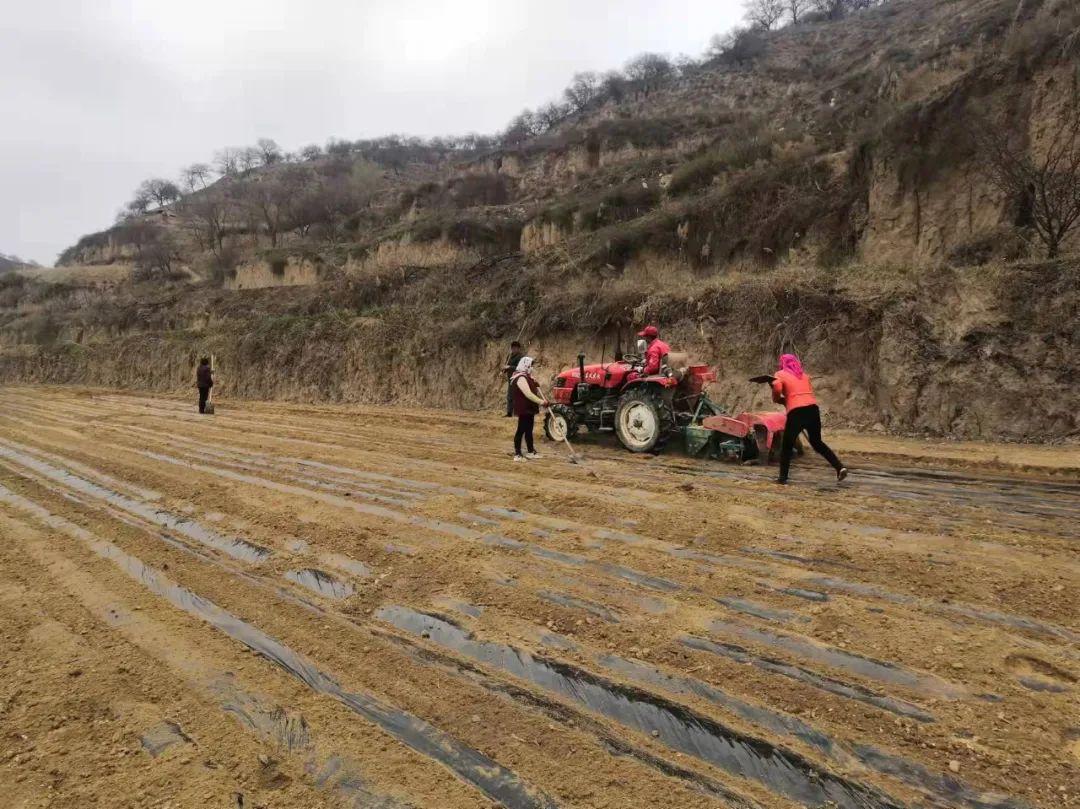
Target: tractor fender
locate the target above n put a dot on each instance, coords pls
(659, 381)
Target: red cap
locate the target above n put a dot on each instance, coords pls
(649, 331)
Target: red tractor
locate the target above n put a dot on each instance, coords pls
(646, 412)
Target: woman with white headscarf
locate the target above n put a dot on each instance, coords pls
(527, 403)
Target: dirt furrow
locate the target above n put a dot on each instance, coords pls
(897, 635)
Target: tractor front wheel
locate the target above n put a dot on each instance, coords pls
(560, 423)
(642, 421)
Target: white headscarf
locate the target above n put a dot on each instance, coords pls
(524, 367)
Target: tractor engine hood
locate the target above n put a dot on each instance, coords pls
(608, 375)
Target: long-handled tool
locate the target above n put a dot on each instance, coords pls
(578, 459)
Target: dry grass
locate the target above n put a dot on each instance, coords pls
(94, 274)
(394, 256)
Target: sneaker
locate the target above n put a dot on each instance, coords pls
(532, 456)
(841, 473)
(519, 458)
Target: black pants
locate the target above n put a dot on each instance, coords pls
(203, 394)
(809, 419)
(524, 430)
(510, 398)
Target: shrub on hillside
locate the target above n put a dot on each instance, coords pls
(641, 133)
(742, 46)
(734, 155)
(223, 263)
(620, 204)
(981, 248)
(479, 189)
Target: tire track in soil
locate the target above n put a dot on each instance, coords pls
(619, 745)
(952, 612)
(284, 733)
(837, 790)
(787, 575)
(846, 659)
(851, 692)
(495, 781)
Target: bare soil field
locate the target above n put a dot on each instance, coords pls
(306, 606)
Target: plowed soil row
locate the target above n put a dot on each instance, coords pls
(289, 606)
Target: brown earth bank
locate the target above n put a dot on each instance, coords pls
(981, 352)
(287, 605)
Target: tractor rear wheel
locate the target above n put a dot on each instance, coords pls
(642, 421)
(560, 423)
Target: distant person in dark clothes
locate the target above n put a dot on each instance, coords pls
(511, 366)
(204, 380)
(792, 388)
(528, 400)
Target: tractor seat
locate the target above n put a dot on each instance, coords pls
(678, 362)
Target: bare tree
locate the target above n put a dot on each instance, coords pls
(649, 70)
(227, 161)
(686, 65)
(831, 9)
(614, 86)
(583, 90)
(195, 176)
(248, 158)
(140, 203)
(139, 233)
(158, 254)
(521, 128)
(796, 8)
(158, 191)
(1047, 187)
(206, 216)
(312, 152)
(739, 46)
(273, 200)
(269, 151)
(764, 14)
(338, 148)
(550, 115)
(835, 9)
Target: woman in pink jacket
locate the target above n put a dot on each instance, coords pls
(791, 387)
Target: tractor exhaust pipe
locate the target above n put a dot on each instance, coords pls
(581, 367)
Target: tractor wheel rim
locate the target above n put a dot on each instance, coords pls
(639, 424)
(557, 427)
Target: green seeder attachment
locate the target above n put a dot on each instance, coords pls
(713, 443)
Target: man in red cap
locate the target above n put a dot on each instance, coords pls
(655, 351)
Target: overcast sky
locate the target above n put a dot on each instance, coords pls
(97, 95)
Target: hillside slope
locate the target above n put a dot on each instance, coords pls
(9, 263)
(826, 193)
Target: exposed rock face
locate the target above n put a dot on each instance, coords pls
(281, 273)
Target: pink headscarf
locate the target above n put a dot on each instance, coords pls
(791, 364)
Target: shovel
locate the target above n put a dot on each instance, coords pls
(578, 459)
